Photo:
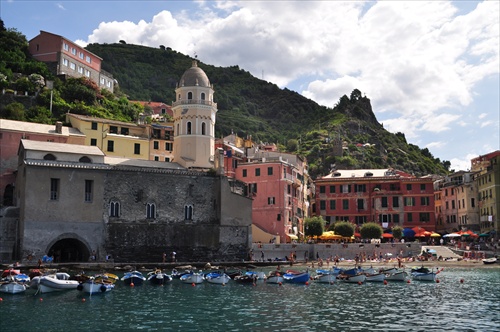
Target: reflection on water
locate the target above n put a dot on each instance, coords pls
(473, 305)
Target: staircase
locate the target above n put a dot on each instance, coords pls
(444, 252)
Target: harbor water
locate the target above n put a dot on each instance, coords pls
(462, 300)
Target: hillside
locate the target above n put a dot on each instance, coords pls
(246, 106)
(250, 106)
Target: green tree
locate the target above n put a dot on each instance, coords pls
(397, 232)
(314, 226)
(371, 230)
(344, 228)
(13, 111)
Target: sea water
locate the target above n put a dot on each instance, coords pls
(462, 300)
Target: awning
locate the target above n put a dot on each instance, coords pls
(293, 236)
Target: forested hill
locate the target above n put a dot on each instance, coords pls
(250, 106)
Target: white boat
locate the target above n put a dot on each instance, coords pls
(192, 278)
(158, 277)
(12, 287)
(217, 278)
(93, 286)
(357, 278)
(56, 282)
(390, 270)
(375, 277)
(491, 260)
(424, 276)
(328, 278)
(275, 277)
(133, 278)
(397, 276)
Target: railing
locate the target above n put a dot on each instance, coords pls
(194, 101)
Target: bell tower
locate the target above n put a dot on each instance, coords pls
(194, 120)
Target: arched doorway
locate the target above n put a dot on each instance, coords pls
(69, 250)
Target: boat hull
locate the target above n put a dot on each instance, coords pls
(159, 279)
(221, 279)
(51, 284)
(377, 277)
(192, 278)
(96, 288)
(398, 276)
(359, 278)
(431, 276)
(300, 278)
(490, 260)
(275, 280)
(12, 288)
(329, 278)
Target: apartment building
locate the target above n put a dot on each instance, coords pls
(65, 57)
(386, 196)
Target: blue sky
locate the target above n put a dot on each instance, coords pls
(430, 69)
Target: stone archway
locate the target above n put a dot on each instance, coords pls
(69, 248)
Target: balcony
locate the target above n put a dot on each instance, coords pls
(194, 102)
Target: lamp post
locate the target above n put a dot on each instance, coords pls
(50, 85)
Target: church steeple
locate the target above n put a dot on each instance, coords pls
(194, 120)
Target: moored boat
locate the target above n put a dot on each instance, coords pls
(375, 277)
(96, 285)
(56, 282)
(424, 276)
(357, 278)
(275, 277)
(296, 277)
(192, 278)
(135, 278)
(12, 287)
(217, 278)
(396, 276)
(158, 277)
(491, 260)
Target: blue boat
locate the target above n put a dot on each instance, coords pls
(296, 277)
(135, 277)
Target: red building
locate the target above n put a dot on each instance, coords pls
(161, 111)
(64, 57)
(387, 196)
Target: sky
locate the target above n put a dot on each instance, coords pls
(430, 69)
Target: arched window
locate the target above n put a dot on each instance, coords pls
(150, 211)
(114, 209)
(203, 96)
(179, 97)
(190, 95)
(188, 212)
(85, 159)
(178, 130)
(49, 156)
(203, 128)
(188, 128)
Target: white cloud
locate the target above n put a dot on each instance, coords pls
(60, 6)
(433, 145)
(482, 115)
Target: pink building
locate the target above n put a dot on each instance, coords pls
(11, 133)
(161, 111)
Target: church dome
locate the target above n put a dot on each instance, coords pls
(194, 76)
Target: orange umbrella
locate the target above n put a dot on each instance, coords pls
(387, 235)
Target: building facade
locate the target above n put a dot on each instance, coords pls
(386, 196)
(64, 57)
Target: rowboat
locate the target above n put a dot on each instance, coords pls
(192, 278)
(275, 277)
(423, 276)
(96, 285)
(396, 276)
(375, 277)
(296, 277)
(158, 277)
(13, 281)
(326, 276)
(133, 278)
(217, 278)
(491, 260)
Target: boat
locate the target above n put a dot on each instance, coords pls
(56, 282)
(275, 277)
(96, 285)
(390, 270)
(158, 277)
(356, 278)
(258, 275)
(491, 260)
(13, 281)
(420, 269)
(246, 278)
(176, 274)
(375, 277)
(134, 278)
(192, 278)
(217, 278)
(296, 277)
(396, 276)
(326, 276)
(424, 276)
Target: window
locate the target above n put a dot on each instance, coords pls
(346, 188)
(114, 209)
(93, 142)
(395, 218)
(270, 200)
(361, 204)
(49, 156)
(54, 189)
(322, 205)
(94, 126)
(66, 47)
(137, 148)
(345, 204)
(124, 131)
(269, 171)
(409, 201)
(360, 220)
(408, 186)
(167, 159)
(190, 95)
(360, 188)
(65, 62)
(111, 146)
(73, 51)
(150, 211)
(157, 158)
(384, 201)
(244, 173)
(168, 146)
(409, 217)
(163, 111)
(322, 189)
(88, 190)
(156, 145)
(333, 204)
(422, 186)
(113, 129)
(424, 201)
(88, 59)
(332, 189)
(85, 159)
(257, 172)
(395, 201)
(188, 212)
(72, 65)
(80, 55)
(203, 128)
(202, 96)
(80, 70)
(87, 73)
(188, 128)
(472, 202)
(425, 216)
(453, 204)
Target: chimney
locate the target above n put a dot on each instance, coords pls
(59, 127)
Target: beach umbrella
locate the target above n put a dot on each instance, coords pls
(452, 235)
(435, 234)
(408, 232)
(387, 236)
(484, 235)
(418, 229)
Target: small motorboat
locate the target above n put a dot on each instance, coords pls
(217, 278)
(247, 278)
(55, 282)
(96, 285)
(296, 277)
(275, 277)
(491, 260)
(357, 278)
(192, 278)
(423, 276)
(158, 277)
(396, 276)
(135, 278)
(375, 277)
